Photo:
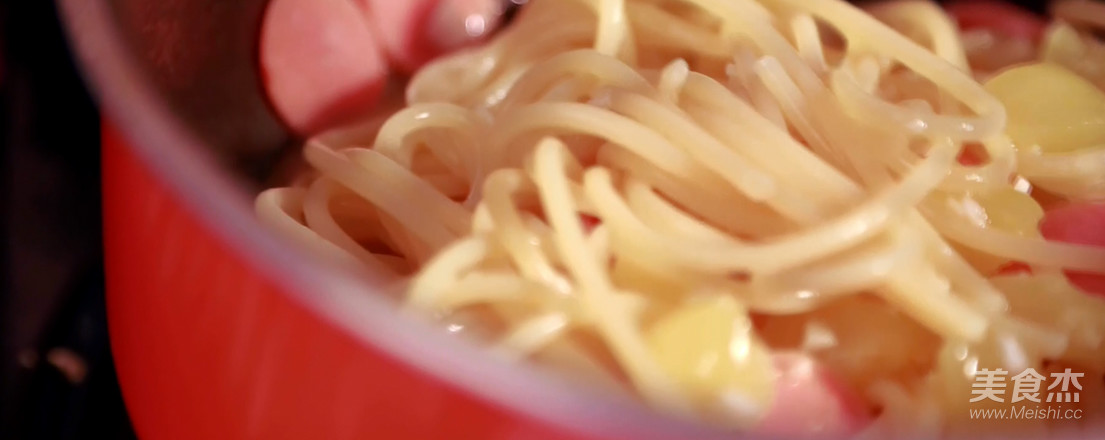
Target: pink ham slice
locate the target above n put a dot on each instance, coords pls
(1004, 18)
(1082, 223)
(414, 31)
(320, 62)
(811, 403)
(325, 62)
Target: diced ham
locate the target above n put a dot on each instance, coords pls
(1082, 223)
(589, 222)
(414, 31)
(325, 62)
(1000, 17)
(811, 403)
(320, 62)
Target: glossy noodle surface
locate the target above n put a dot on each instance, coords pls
(685, 199)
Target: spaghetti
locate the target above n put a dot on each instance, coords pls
(663, 194)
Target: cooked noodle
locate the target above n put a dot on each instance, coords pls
(603, 169)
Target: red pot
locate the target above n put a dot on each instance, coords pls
(219, 328)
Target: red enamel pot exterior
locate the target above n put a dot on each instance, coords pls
(207, 346)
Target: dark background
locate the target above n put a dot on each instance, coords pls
(51, 306)
(56, 376)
